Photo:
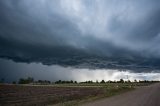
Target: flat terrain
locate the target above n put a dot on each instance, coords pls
(76, 94)
(143, 96)
(40, 95)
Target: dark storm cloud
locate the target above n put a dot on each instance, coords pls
(85, 33)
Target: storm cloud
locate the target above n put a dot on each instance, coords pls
(82, 33)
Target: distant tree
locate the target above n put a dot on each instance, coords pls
(90, 82)
(14, 82)
(26, 81)
(135, 80)
(39, 81)
(75, 82)
(121, 81)
(58, 82)
(114, 81)
(30, 79)
(109, 81)
(43, 82)
(97, 81)
(22, 81)
(71, 81)
(102, 81)
(129, 81)
(2, 80)
(65, 82)
(49, 82)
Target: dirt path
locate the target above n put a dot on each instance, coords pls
(144, 96)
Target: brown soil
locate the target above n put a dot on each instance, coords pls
(16, 95)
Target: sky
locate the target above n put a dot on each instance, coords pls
(84, 37)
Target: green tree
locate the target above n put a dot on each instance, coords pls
(121, 81)
(26, 81)
(135, 80)
(102, 81)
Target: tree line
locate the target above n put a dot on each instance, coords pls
(31, 80)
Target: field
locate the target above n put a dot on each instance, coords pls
(40, 95)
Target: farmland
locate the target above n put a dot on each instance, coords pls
(40, 95)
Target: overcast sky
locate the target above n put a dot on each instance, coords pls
(81, 34)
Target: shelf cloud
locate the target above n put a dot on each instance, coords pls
(90, 34)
